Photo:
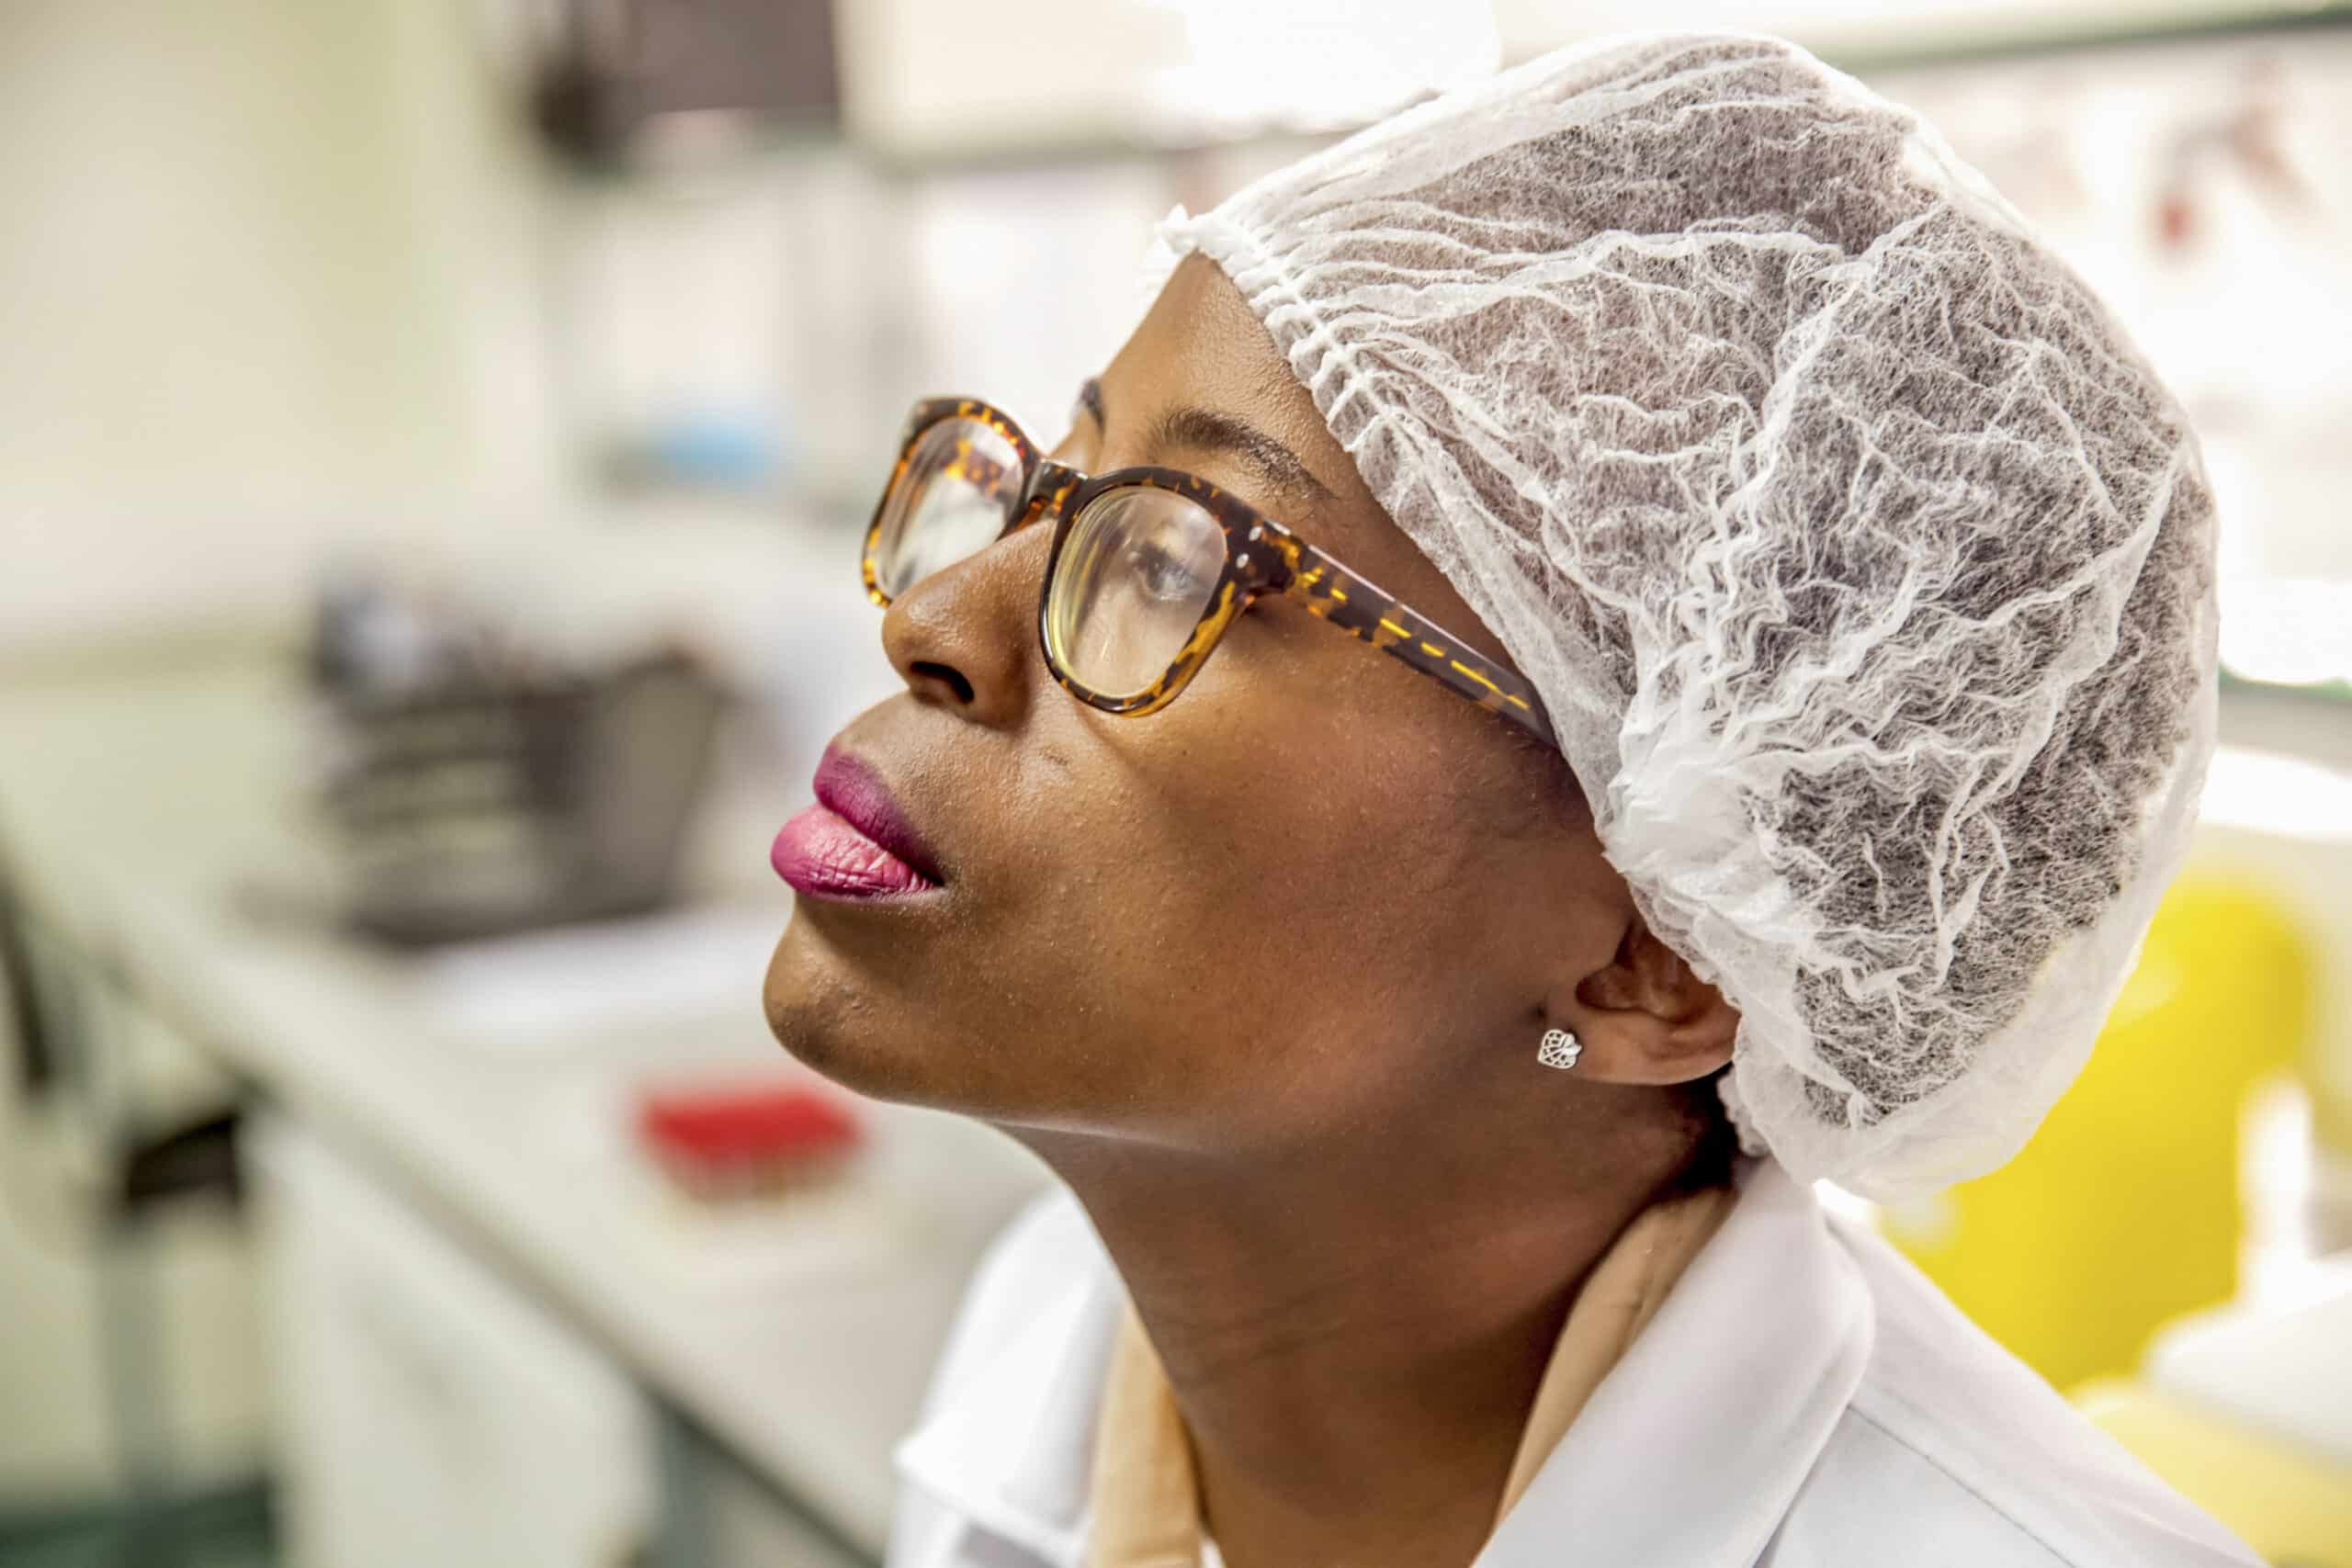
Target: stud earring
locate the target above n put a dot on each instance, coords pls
(1559, 1049)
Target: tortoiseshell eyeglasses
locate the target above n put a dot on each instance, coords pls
(1147, 569)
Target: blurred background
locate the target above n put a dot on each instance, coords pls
(434, 436)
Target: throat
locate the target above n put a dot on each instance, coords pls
(1347, 1361)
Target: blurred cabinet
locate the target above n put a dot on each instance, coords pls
(427, 1412)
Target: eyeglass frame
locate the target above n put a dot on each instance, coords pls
(1263, 557)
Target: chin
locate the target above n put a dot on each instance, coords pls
(874, 1035)
(826, 1019)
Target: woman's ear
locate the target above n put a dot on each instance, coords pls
(1644, 1017)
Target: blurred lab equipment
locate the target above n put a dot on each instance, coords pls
(2125, 1211)
(750, 1142)
(608, 76)
(2292, 1506)
(2248, 1412)
(479, 787)
(131, 1156)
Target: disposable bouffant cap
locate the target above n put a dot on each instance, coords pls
(1864, 567)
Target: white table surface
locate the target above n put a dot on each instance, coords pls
(133, 809)
(2285, 1371)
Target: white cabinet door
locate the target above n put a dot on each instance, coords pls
(426, 1412)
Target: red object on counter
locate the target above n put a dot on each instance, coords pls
(728, 1141)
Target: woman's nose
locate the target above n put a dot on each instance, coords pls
(966, 637)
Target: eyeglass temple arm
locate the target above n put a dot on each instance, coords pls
(1364, 610)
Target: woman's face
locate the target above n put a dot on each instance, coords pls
(1316, 887)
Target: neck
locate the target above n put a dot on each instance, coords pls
(1355, 1338)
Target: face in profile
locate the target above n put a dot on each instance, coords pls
(1311, 895)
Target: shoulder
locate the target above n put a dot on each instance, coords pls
(1976, 1460)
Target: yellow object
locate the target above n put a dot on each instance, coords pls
(2291, 1505)
(2123, 1211)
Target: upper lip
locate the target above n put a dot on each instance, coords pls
(853, 792)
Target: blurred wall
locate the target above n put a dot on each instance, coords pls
(923, 78)
(267, 276)
(1871, 27)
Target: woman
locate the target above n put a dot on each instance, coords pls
(1835, 584)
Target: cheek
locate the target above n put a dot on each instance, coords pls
(852, 1002)
(1294, 917)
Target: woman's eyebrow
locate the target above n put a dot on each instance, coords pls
(1199, 429)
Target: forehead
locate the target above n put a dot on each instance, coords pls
(1200, 345)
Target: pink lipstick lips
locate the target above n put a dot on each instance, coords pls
(854, 843)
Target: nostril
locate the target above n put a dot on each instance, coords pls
(949, 674)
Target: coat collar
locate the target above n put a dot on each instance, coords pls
(1737, 1385)
(1013, 1451)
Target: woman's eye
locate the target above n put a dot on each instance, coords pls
(1163, 576)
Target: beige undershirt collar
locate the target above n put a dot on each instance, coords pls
(1146, 1494)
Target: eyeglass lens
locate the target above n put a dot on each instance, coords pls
(1139, 569)
(1134, 578)
(961, 484)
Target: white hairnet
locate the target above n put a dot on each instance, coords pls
(1863, 566)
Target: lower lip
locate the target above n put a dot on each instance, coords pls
(823, 856)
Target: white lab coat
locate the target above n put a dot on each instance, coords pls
(1804, 1399)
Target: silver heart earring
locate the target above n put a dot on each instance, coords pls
(1559, 1049)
